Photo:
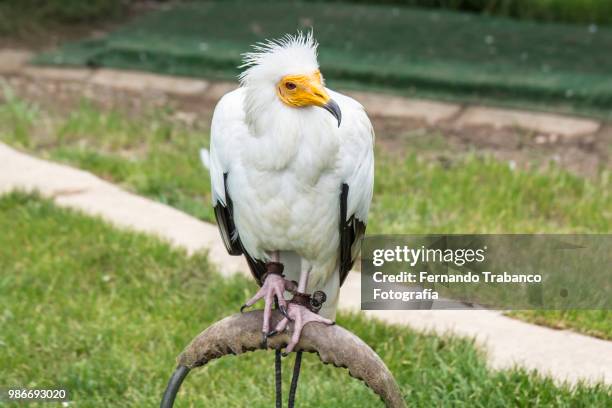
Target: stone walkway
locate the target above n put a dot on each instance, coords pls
(563, 355)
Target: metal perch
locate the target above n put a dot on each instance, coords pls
(335, 345)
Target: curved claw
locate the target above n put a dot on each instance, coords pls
(243, 307)
(283, 310)
(264, 339)
(302, 316)
(272, 333)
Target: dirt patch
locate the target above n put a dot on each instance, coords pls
(585, 155)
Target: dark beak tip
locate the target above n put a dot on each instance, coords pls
(332, 107)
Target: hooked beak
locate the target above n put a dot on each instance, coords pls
(307, 90)
(332, 107)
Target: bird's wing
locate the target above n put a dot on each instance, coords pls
(357, 167)
(227, 130)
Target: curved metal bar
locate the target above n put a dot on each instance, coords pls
(335, 345)
(173, 386)
(294, 378)
(278, 378)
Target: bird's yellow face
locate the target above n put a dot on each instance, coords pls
(302, 90)
(299, 91)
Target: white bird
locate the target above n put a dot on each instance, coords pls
(292, 173)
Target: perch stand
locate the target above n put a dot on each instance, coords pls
(335, 345)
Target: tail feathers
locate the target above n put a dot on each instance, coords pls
(205, 157)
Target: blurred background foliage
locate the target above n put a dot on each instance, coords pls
(67, 10)
(79, 11)
(429, 53)
(572, 11)
(18, 17)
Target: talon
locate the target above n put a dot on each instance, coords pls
(273, 286)
(284, 354)
(303, 312)
(283, 310)
(264, 339)
(272, 333)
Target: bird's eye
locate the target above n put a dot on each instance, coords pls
(290, 85)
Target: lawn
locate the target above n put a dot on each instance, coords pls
(154, 155)
(104, 312)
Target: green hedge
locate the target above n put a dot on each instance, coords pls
(65, 10)
(25, 16)
(573, 11)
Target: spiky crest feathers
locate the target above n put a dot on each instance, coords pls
(270, 60)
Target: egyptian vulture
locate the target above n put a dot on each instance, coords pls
(292, 172)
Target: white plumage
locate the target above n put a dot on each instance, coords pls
(283, 167)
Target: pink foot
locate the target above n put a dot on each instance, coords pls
(301, 312)
(274, 285)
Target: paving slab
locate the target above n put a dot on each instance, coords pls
(563, 355)
(140, 81)
(390, 106)
(20, 171)
(535, 121)
(13, 61)
(57, 74)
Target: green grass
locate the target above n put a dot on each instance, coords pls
(482, 195)
(597, 323)
(152, 155)
(432, 53)
(104, 312)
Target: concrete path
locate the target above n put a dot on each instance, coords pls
(563, 355)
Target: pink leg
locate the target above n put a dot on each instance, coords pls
(274, 285)
(300, 315)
